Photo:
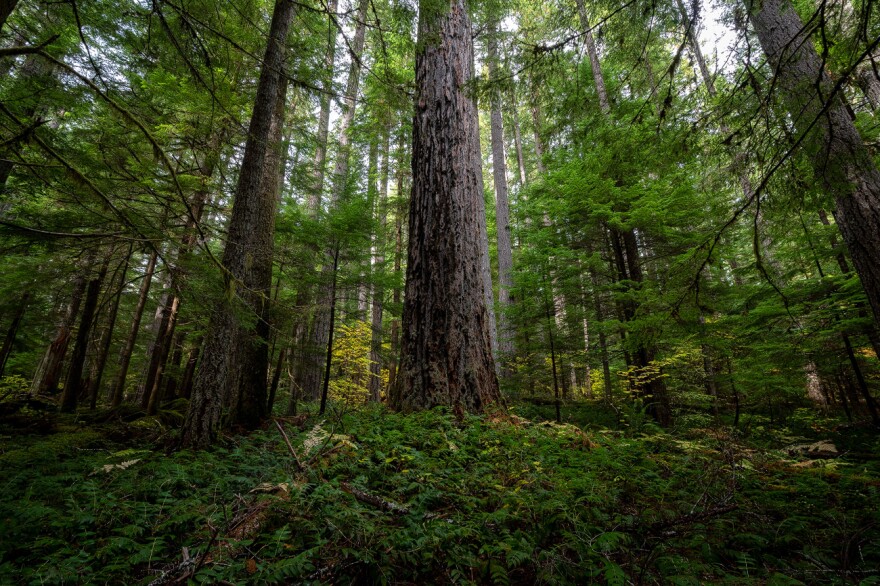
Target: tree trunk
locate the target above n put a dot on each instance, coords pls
(536, 126)
(502, 208)
(590, 43)
(11, 333)
(375, 383)
(841, 161)
(49, 371)
(230, 345)
(301, 355)
(446, 356)
(398, 262)
(107, 338)
(118, 388)
(314, 364)
(517, 140)
(74, 383)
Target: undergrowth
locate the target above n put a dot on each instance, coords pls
(486, 500)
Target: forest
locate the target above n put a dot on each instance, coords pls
(439, 292)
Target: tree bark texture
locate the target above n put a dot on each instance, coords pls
(841, 162)
(238, 333)
(446, 355)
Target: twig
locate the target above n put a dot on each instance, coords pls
(299, 465)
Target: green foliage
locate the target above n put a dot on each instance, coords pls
(493, 500)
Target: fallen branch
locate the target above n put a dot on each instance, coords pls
(665, 528)
(385, 504)
(299, 465)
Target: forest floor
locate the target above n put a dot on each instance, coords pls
(366, 496)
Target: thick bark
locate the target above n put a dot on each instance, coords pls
(314, 364)
(446, 356)
(118, 389)
(867, 80)
(502, 207)
(841, 161)
(12, 332)
(73, 386)
(231, 344)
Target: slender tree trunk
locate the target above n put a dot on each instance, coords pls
(841, 161)
(590, 43)
(446, 356)
(73, 386)
(329, 358)
(536, 126)
(190, 370)
(12, 332)
(506, 347)
(375, 384)
(231, 347)
(517, 140)
(118, 388)
(107, 338)
(321, 328)
(398, 262)
(603, 341)
(302, 355)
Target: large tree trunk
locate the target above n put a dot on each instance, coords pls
(125, 354)
(314, 364)
(502, 207)
(841, 161)
(446, 356)
(232, 346)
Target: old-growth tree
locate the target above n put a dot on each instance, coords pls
(446, 353)
(841, 161)
(235, 356)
